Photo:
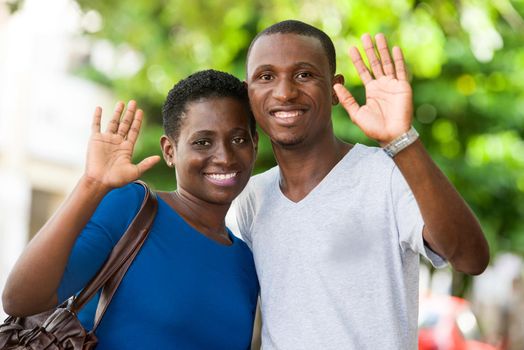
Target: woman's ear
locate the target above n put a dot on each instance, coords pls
(168, 150)
(338, 79)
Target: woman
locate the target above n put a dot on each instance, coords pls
(193, 284)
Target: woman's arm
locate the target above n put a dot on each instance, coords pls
(33, 282)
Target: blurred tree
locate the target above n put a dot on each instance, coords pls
(466, 59)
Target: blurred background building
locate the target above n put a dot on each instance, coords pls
(44, 117)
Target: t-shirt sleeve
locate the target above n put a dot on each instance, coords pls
(99, 236)
(409, 221)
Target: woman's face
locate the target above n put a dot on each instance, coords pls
(215, 152)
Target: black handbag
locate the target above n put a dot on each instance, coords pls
(60, 329)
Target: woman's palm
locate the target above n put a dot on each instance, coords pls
(109, 155)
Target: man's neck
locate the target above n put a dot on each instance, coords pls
(303, 168)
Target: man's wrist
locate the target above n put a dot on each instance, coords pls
(401, 142)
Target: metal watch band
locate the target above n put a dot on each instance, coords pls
(401, 142)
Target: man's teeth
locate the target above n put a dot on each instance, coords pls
(287, 114)
(222, 176)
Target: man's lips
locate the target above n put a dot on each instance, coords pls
(287, 115)
(223, 179)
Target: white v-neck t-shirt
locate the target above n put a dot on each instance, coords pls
(338, 269)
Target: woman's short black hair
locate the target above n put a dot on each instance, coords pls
(202, 85)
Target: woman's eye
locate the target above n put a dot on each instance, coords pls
(238, 140)
(202, 143)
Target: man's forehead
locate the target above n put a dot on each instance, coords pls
(267, 49)
(286, 39)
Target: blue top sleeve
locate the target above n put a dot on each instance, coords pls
(100, 235)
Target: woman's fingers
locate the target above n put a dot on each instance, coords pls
(112, 126)
(97, 117)
(147, 164)
(127, 119)
(126, 124)
(134, 128)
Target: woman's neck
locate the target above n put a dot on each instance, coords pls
(207, 218)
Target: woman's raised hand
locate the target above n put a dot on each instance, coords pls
(110, 152)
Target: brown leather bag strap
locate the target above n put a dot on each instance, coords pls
(143, 223)
(121, 257)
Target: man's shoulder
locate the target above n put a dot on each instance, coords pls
(368, 158)
(258, 186)
(264, 179)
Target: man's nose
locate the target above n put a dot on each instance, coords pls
(285, 90)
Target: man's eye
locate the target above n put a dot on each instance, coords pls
(239, 140)
(303, 75)
(202, 143)
(265, 77)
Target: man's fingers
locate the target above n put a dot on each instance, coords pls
(387, 62)
(127, 120)
(362, 70)
(346, 100)
(400, 65)
(374, 61)
(97, 118)
(112, 127)
(134, 129)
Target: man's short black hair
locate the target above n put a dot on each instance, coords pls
(202, 85)
(300, 28)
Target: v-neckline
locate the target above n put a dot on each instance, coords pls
(164, 197)
(347, 158)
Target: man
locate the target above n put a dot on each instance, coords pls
(337, 229)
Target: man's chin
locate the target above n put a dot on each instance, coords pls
(288, 143)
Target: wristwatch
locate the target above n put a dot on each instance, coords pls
(401, 142)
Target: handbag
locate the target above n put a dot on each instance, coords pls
(59, 328)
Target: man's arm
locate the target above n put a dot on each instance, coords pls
(451, 229)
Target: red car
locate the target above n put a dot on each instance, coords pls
(447, 323)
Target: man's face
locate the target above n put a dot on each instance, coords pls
(290, 88)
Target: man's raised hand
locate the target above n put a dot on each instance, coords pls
(388, 110)
(109, 153)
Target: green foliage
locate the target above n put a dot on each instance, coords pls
(466, 59)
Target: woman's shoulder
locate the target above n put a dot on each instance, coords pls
(119, 207)
(128, 194)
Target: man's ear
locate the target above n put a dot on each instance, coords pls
(338, 79)
(168, 150)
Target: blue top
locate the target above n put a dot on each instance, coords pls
(183, 290)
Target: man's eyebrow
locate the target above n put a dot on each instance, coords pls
(263, 67)
(300, 64)
(305, 64)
